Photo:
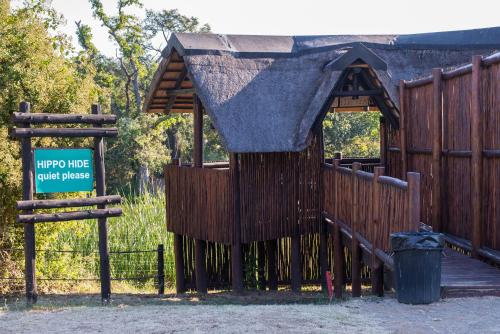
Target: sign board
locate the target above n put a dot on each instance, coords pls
(63, 170)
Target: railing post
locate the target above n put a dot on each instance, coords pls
(402, 127)
(338, 248)
(477, 155)
(161, 269)
(413, 194)
(356, 251)
(323, 252)
(29, 228)
(377, 269)
(437, 147)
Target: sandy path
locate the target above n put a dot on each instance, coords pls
(467, 315)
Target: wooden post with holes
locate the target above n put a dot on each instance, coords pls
(413, 194)
(356, 251)
(199, 245)
(100, 181)
(402, 128)
(29, 228)
(377, 267)
(437, 148)
(338, 247)
(477, 155)
(236, 247)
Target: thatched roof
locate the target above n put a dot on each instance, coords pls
(265, 93)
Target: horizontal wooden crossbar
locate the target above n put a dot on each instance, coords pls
(67, 203)
(56, 132)
(46, 118)
(67, 216)
(393, 182)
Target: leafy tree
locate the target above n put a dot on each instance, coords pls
(354, 134)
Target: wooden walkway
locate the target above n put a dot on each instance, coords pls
(464, 276)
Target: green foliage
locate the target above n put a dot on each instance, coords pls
(354, 134)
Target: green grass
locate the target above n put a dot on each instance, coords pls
(142, 227)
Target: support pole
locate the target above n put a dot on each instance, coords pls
(29, 228)
(338, 247)
(180, 278)
(100, 181)
(295, 271)
(402, 127)
(236, 249)
(356, 250)
(261, 265)
(199, 245)
(323, 253)
(377, 268)
(161, 269)
(383, 141)
(437, 148)
(272, 274)
(477, 158)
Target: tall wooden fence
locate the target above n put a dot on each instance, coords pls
(371, 206)
(450, 133)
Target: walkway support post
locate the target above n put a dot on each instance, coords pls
(180, 278)
(323, 253)
(199, 245)
(477, 155)
(338, 247)
(272, 274)
(236, 249)
(356, 250)
(295, 272)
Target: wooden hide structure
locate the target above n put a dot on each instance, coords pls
(280, 212)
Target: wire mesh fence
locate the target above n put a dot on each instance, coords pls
(142, 268)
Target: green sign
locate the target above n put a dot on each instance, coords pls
(63, 170)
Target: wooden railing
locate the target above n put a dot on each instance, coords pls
(371, 205)
(199, 203)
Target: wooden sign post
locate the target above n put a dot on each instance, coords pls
(67, 170)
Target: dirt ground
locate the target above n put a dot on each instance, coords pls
(280, 312)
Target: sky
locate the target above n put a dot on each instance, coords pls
(304, 17)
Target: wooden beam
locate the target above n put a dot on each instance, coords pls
(67, 203)
(177, 85)
(68, 216)
(58, 132)
(323, 253)
(371, 92)
(413, 207)
(46, 118)
(476, 159)
(377, 267)
(437, 148)
(183, 91)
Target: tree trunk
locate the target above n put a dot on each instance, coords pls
(135, 84)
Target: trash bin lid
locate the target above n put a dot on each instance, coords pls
(416, 240)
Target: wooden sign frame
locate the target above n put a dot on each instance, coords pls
(23, 120)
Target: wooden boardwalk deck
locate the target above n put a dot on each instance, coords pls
(464, 276)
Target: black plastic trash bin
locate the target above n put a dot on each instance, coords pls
(417, 266)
